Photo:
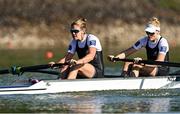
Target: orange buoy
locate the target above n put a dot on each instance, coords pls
(49, 54)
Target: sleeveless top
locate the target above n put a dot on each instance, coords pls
(97, 62)
(152, 54)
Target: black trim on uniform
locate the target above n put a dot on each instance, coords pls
(97, 62)
(152, 54)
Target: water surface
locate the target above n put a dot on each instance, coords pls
(94, 102)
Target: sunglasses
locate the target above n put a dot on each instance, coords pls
(150, 33)
(74, 31)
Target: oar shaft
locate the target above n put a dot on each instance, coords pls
(4, 71)
(150, 62)
(171, 64)
(20, 70)
(36, 67)
(39, 67)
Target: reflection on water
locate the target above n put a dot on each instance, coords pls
(94, 102)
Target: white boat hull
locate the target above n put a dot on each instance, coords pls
(59, 86)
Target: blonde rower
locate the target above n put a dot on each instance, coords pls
(89, 50)
(157, 49)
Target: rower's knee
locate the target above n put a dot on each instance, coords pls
(134, 70)
(134, 73)
(127, 65)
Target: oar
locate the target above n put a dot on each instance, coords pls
(20, 70)
(46, 72)
(4, 71)
(150, 62)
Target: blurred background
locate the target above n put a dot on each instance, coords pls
(37, 31)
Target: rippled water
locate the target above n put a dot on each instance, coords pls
(91, 102)
(94, 102)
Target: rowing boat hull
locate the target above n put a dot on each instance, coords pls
(59, 86)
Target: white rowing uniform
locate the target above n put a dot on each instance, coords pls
(163, 44)
(92, 41)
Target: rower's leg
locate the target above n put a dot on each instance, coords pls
(86, 70)
(152, 71)
(64, 72)
(72, 74)
(126, 69)
(148, 71)
(126, 66)
(135, 70)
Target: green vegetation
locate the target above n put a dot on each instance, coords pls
(170, 4)
(14, 13)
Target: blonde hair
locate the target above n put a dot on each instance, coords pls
(154, 21)
(81, 22)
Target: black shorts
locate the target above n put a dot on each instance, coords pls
(162, 71)
(98, 74)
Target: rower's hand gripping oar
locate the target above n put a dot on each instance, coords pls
(111, 58)
(72, 62)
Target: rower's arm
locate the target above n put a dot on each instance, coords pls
(126, 53)
(67, 58)
(89, 57)
(160, 57)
